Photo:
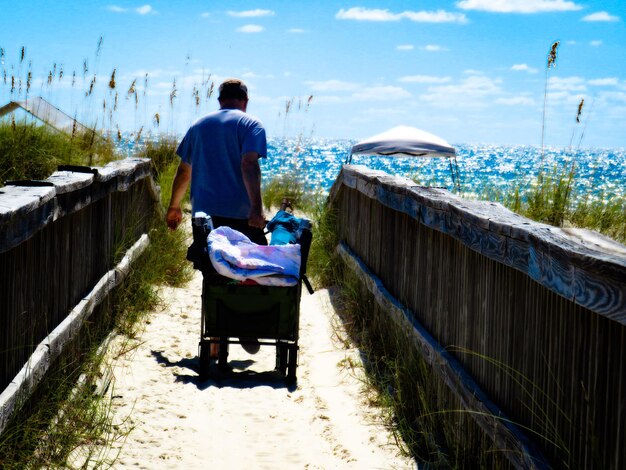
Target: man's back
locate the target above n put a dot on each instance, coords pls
(213, 146)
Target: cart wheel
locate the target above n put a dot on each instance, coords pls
(204, 359)
(281, 357)
(292, 363)
(222, 360)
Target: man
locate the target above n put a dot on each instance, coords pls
(220, 156)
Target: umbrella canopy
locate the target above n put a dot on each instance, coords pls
(407, 141)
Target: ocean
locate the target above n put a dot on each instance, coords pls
(485, 170)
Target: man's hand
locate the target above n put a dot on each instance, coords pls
(256, 218)
(179, 187)
(173, 217)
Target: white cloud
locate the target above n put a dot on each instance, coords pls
(205, 14)
(523, 68)
(142, 10)
(251, 13)
(353, 91)
(380, 93)
(366, 14)
(439, 16)
(516, 101)
(595, 43)
(377, 14)
(518, 6)
(332, 85)
(424, 79)
(474, 91)
(612, 81)
(116, 9)
(613, 96)
(601, 16)
(250, 28)
(433, 48)
(472, 72)
(296, 30)
(145, 9)
(566, 84)
(405, 47)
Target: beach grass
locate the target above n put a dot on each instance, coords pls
(429, 423)
(290, 185)
(31, 151)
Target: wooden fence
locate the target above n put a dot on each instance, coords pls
(523, 320)
(59, 240)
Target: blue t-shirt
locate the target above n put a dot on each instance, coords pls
(213, 146)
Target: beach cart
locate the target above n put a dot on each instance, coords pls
(235, 312)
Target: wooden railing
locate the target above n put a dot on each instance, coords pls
(525, 322)
(60, 241)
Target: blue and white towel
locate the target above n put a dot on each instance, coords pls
(233, 255)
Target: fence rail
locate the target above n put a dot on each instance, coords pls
(536, 315)
(59, 239)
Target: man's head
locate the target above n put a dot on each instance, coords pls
(233, 93)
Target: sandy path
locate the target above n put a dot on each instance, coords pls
(249, 420)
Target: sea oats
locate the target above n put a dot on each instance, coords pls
(553, 54)
(580, 109)
(173, 93)
(91, 86)
(99, 47)
(131, 89)
(112, 80)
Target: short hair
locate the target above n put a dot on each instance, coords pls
(233, 88)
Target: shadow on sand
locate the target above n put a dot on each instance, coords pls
(237, 375)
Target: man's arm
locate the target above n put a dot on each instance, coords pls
(179, 187)
(251, 173)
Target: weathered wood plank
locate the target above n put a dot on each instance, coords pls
(546, 254)
(507, 436)
(24, 210)
(534, 313)
(32, 373)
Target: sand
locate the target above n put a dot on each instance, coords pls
(249, 419)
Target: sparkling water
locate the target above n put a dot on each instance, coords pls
(485, 170)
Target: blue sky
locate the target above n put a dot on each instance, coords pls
(471, 71)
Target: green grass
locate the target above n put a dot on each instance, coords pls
(33, 152)
(429, 423)
(604, 216)
(553, 199)
(164, 164)
(323, 261)
(292, 186)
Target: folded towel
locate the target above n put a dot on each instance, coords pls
(233, 255)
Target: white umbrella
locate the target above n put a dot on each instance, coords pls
(411, 142)
(405, 141)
